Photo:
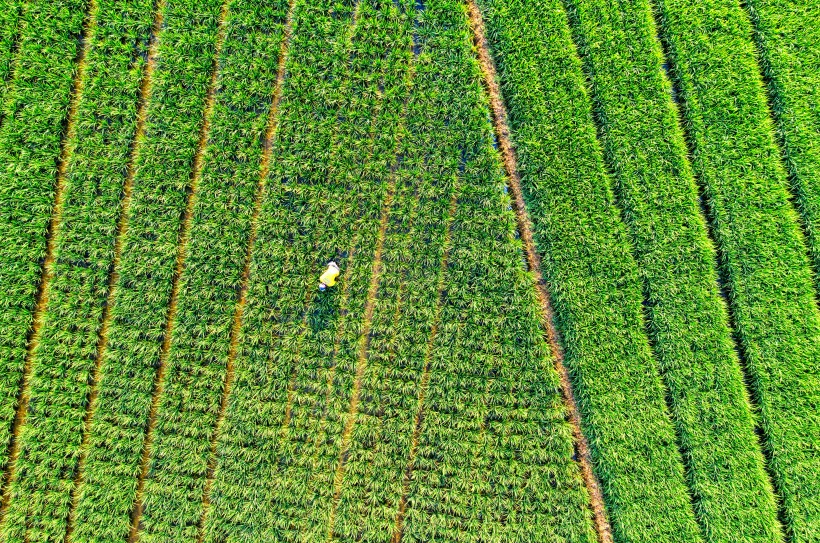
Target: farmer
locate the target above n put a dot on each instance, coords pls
(328, 278)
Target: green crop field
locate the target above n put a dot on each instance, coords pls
(578, 245)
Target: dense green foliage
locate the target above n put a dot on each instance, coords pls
(787, 33)
(592, 276)
(163, 171)
(297, 429)
(212, 279)
(492, 420)
(84, 252)
(282, 274)
(50, 444)
(168, 201)
(762, 252)
(9, 17)
(645, 151)
(34, 112)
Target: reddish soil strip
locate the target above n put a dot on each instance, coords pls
(425, 380)
(502, 129)
(264, 171)
(52, 234)
(184, 236)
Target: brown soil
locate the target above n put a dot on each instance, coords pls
(501, 124)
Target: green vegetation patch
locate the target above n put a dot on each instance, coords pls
(30, 136)
(688, 323)
(787, 33)
(763, 257)
(591, 274)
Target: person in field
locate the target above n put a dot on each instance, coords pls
(328, 278)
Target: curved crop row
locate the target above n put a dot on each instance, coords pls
(787, 33)
(763, 256)
(592, 276)
(645, 152)
(30, 144)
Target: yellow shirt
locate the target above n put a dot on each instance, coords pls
(329, 277)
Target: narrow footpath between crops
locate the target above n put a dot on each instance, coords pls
(184, 236)
(264, 171)
(502, 129)
(122, 226)
(48, 264)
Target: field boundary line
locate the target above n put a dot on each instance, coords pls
(525, 228)
(418, 419)
(52, 233)
(182, 253)
(236, 327)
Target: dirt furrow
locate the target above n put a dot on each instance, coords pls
(502, 130)
(66, 149)
(264, 170)
(179, 268)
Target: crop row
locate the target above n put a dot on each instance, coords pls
(787, 35)
(284, 269)
(165, 176)
(688, 324)
(213, 276)
(50, 445)
(342, 193)
(105, 126)
(592, 276)
(30, 144)
(763, 257)
(331, 351)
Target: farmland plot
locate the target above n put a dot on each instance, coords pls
(30, 145)
(588, 264)
(207, 295)
(39, 505)
(174, 176)
(656, 192)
